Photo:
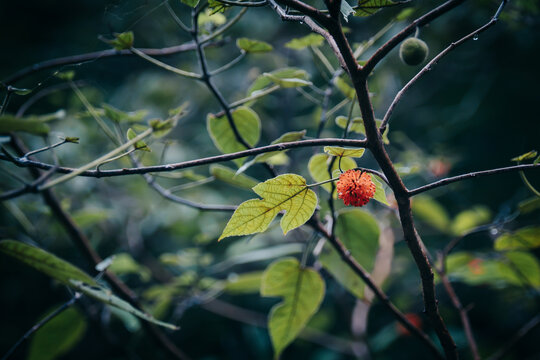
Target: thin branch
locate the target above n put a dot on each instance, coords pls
(191, 163)
(471, 175)
(82, 58)
(245, 3)
(435, 60)
(364, 275)
(230, 64)
(161, 64)
(224, 28)
(394, 41)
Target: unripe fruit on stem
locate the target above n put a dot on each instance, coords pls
(413, 51)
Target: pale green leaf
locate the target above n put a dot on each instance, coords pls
(121, 116)
(318, 168)
(288, 82)
(359, 232)
(253, 46)
(527, 156)
(123, 40)
(431, 212)
(105, 296)
(44, 262)
(370, 7)
(87, 217)
(345, 88)
(123, 264)
(264, 81)
(247, 123)
(288, 193)
(529, 205)
(302, 290)
(139, 145)
(31, 125)
(246, 283)
(163, 127)
(525, 238)
(305, 41)
(229, 176)
(380, 194)
(341, 152)
(469, 219)
(58, 336)
(357, 125)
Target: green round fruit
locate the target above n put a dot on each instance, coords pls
(413, 51)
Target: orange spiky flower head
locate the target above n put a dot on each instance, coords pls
(355, 187)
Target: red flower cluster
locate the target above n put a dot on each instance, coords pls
(355, 187)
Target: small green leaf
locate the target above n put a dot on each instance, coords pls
(33, 125)
(527, 156)
(357, 125)
(305, 41)
(58, 336)
(380, 194)
(66, 75)
(253, 46)
(264, 81)
(163, 127)
(525, 238)
(318, 168)
(345, 88)
(431, 212)
(105, 296)
(139, 145)
(20, 91)
(44, 262)
(71, 139)
(370, 7)
(529, 205)
(229, 176)
(120, 116)
(247, 123)
(469, 219)
(359, 232)
(288, 82)
(123, 41)
(302, 290)
(274, 157)
(288, 193)
(246, 283)
(342, 152)
(405, 14)
(87, 217)
(123, 264)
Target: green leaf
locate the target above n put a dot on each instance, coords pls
(527, 156)
(529, 205)
(246, 283)
(525, 238)
(123, 40)
(345, 88)
(305, 41)
(44, 262)
(123, 264)
(229, 176)
(191, 3)
(380, 194)
(58, 336)
(522, 268)
(318, 168)
(469, 219)
(105, 296)
(65, 75)
(359, 232)
(247, 123)
(272, 156)
(32, 125)
(288, 193)
(357, 125)
(341, 152)
(21, 91)
(163, 127)
(431, 212)
(87, 217)
(370, 7)
(139, 145)
(405, 14)
(302, 290)
(121, 116)
(253, 46)
(264, 81)
(288, 82)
